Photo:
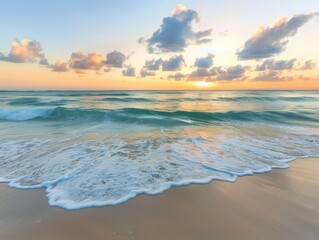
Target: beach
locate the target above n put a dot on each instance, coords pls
(281, 204)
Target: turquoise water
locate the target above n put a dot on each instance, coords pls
(96, 148)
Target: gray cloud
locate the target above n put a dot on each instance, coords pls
(204, 62)
(272, 64)
(176, 32)
(115, 59)
(177, 76)
(236, 72)
(146, 73)
(129, 72)
(201, 72)
(153, 65)
(270, 41)
(272, 76)
(81, 62)
(23, 51)
(174, 63)
(308, 65)
(230, 73)
(43, 61)
(141, 40)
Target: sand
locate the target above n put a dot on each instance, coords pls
(282, 204)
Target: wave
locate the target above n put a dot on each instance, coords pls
(242, 99)
(22, 114)
(114, 94)
(268, 116)
(155, 117)
(77, 93)
(85, 172)
(127, 99)
(189, 99)
(165, 92)
(32, 101)
(266, 99)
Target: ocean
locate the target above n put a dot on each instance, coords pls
(97, 148)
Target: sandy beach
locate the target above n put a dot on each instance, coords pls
(282, 204)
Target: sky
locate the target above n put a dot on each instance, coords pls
(163, 45)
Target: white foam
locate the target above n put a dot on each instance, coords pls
(94, 170)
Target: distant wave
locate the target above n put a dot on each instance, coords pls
(127, 99)
(33, 101)
(146, 116)
(114, 94)
(270, 99)
(241, 99)
(82, 93)
(165, 92)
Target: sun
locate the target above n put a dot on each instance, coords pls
(203, 84)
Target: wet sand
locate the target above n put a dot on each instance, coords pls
(282, 204)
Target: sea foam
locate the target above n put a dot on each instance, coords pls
(87, 171)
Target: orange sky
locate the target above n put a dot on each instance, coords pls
(31, 77)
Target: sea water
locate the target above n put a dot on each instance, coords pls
(96, 148)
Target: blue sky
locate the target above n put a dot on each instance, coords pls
(104, 25)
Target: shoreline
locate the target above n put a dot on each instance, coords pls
(280, 204)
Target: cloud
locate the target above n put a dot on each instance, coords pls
(230, 73)
(177, 76)
(219, 73)
(275, 76)
(308, 65)
(153, 64)
(201, 72)
(270, 41)
(272, 64)
(23, 51)
(81, 62)
(146, 73)
(141, 40)
(59, 66)
(44, 61)
(272, 76)
(115, 59)
(129, 72)
(174, 63)
(176, 32)
(205, 62)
